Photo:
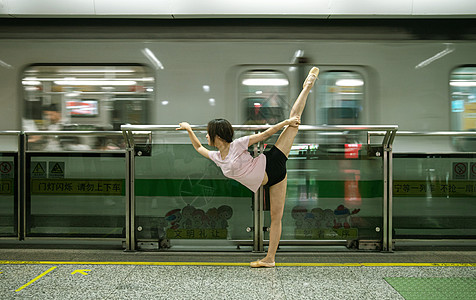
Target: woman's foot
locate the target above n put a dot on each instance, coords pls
(311, 77)
(260, 264)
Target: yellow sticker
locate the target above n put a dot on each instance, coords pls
(77, 187)
(422, 188)
(6, 186)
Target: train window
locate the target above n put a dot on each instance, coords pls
(463, 98)
(264, 95)
(341, 95)
(86, 97)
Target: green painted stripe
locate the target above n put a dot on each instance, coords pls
(343, 189)
(190, 188)
(231, 188)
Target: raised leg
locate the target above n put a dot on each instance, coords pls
(286, 139)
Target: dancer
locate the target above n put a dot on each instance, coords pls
(268, 169)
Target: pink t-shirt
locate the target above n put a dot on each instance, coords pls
(240, 165)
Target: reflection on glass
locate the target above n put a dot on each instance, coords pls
(463, 105)
(87, 98)
(264, 95)
(341, 95)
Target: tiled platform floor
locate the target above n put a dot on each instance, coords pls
(89, 274)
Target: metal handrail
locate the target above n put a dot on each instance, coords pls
(76, 133)
(10, 132)
(436, 133)
(426, 133)
(264, 127)
(423, 133)
(69, 133)
(388, 131)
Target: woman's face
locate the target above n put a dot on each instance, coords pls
(208, 139)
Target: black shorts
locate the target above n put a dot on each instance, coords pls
(275, 166)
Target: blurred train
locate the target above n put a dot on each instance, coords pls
(100, 74)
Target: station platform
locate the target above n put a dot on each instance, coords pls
(115, 274)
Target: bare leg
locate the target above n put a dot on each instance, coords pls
(286, 139)
(277, 195)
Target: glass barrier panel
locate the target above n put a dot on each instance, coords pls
(183, 201)
(76, 195)
(80, 143)
(434, 196)
(334, 191)
(9, 143)
(8, 195)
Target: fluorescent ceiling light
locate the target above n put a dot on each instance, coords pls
(426, 62)
(30, 82)
(463, 83)
(266, 82)
(90, 79)
(297, 54)
(350, 82)
(152, 58)
(5, 65)
(98, 82)
(97, 71)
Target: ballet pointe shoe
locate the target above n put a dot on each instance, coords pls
(262, 264)
(311, 77)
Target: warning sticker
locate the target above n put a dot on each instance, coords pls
(421, 188)
(77, 187)
(460, 170)
(56, 169)
(6, 187)
(472, 171)
(6, 169)
(38, 169)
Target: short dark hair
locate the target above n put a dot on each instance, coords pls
(221, 128)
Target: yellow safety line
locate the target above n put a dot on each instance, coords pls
(17, 262)
(419, 264)
(35, 279)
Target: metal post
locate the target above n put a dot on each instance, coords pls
(390, 199)
(21, 183)
(261, 205)
(130, 203)
(385, 199)
(258, 214)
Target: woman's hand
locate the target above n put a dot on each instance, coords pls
(294, 121)
(184, 126)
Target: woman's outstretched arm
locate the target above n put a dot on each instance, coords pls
(255, 138)
(195, 142)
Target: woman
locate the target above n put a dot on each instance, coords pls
(268, 169)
